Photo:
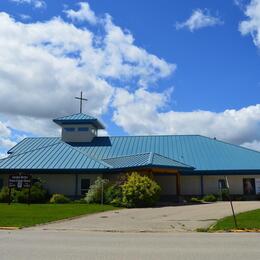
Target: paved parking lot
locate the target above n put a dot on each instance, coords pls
(162, 219)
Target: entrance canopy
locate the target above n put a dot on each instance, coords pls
(146, 160)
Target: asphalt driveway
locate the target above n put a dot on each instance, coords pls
(161, 219)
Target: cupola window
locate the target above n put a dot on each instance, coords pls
(83, 129)
(69, 129)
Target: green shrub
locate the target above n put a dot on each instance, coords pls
(224, 195)
(196, 200)
(38, 194)
(210, 198)
(59, 199)
(113, 195)
(94, 193)
(4, 195)
(140, 191)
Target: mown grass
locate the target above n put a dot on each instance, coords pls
(22, 215)
(245, 220)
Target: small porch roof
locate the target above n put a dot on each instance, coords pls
(146, 160)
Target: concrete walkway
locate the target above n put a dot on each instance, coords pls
(161, 219)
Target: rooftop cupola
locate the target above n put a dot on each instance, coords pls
(78, 128)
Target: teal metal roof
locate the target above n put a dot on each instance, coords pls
(79, 118)
(202, 153)
(54, 156)
(145, 160)
(33, 143)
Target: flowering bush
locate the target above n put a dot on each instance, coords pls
(140, 191)
(94, 193)
(59, 199)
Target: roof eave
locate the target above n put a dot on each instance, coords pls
(95, 122)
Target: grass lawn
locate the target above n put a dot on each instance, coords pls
(246, 220)
(23, 215)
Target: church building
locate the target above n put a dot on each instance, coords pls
(181, 164)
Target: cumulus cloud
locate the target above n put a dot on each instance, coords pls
(252, 24)
(34, 3)
(83, 14)
(7, 143)
(199, 19)
(140, 113)
(5, 136)
(43, 65)
(255, 145)
(3, 155)
(25, 17)
(4, 130)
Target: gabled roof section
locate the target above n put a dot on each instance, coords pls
(79, 118)
(145, 160)
(56, 156)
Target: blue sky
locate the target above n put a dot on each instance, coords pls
(204, 80)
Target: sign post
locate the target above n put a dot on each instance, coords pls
(231, 204)
(20, 181)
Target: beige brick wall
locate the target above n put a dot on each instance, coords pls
(235, 183)
(190, 185)
(60, 183)
(167, 183)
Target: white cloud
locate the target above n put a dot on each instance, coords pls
(25, 17)
(3, 155)
(252, 24)
(5, 135)
(124, 59)
(255, 145)
(43, 65)
(199, 19)
(4, 130)
(6, 143)
(141, 113)
(34, 3)
(83, 14)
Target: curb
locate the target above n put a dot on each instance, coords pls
(9, 228)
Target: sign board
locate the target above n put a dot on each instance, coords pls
(19, 181)
(257, 186)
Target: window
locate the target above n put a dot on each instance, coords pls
(85, 183)
(222, 184)
(69, 129)
(249, 186)
(83, 129)
(1, 183)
